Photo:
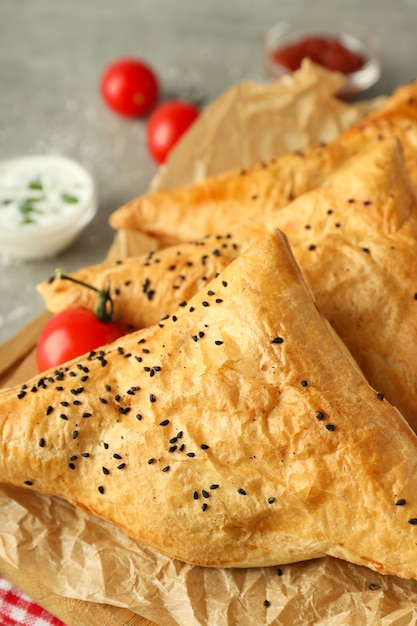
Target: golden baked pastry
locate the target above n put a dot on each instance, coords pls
(220, 202)
(355, 241)
(239, 434)
(146, 288)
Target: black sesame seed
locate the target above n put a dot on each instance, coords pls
(75, 434)
(191, 454)
(172, 448)
(73, 457)
(100, 489)
(86, 415)
(71, 466)
(179, 434)
(138, 416)
(77, 402)
(204, 446)
(218, 342)
(205, 303)
(28, 482)
(214, 486)
(21, 394)
(319, 415)
(242, 492)
(152, 398)
(413, 521)
(49, 410)
(205, 494)
(219, 300)
(204, 507)
(195, 495)
(85, 455)
(105, 470)
(304, 383)
(121, 466)
(279, 571)
(41, 442)
(267, 603)
(150, 461)
(330, 427)
(373, 586)
(166, 468)
(106, 446)
(380, 396)
(400, 502)
(271, 500)
(63, 416)
(117, 456)
(277, 340)
(164, 423)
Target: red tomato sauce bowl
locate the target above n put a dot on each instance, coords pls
(346, 48)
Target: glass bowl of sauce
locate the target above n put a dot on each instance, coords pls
(45, 203)
(346, 48)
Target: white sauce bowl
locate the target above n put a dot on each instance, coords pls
(45, 203)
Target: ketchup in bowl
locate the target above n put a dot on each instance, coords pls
(329, 52)
(345, 48)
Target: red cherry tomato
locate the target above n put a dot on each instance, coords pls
(166, 124)
(70, 334)
(129, 87)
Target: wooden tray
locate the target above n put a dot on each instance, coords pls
(17, 363)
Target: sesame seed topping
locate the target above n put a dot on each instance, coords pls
(242, 492)
(271, 500)
(204, 507)
(49, 410)
(121, 466)
(413, 521)
(152, 398)
(100, 489)
(218, 342)
(75, 434)
(166, 468)
(214, 486)
(164, 423)
(319, 415)
(204, 446)
(205, 494)
(330, 427)
(304, 383)
(277, 340)
(28, 482)
(41, 442)
(195, 495)
(400, 502)
(150, 461)
(191, 454)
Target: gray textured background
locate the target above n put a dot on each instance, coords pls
(53, 52)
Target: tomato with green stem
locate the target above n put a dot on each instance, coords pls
(74, 332)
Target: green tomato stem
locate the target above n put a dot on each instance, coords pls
(104, 308)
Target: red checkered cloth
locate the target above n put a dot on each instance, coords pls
(17, 609)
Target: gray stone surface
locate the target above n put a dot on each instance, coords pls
(52, 53)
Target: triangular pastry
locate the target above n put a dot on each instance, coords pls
(219, 202)
(239, 434)
(355, 241)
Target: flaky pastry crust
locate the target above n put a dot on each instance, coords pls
(239, 434)
(218, 203)
(355, 241)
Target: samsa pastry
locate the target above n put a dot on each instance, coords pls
(216, 204)
(355, 241)
(239, 434)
